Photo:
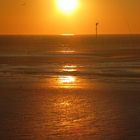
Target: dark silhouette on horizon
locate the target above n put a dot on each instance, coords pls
(97, 23)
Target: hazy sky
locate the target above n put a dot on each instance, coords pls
(43, 17)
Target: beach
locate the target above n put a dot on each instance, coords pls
(70, 87)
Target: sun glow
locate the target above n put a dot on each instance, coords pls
(67, 6)
(67, 79)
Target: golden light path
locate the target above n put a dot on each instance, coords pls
(69, 68)
(66, 80)
(67, 6)
(67, 51)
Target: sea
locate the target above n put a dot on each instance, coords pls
(70, 87)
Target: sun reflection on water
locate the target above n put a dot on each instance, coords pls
(65, 104)
(66, 78)
(67, 51)
(69, 68)
(73, 113)
(67, 81)
(70, 112)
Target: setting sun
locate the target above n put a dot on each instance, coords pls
(67, 6)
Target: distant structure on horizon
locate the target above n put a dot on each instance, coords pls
(97, 23)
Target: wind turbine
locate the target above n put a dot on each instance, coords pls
(97, 23)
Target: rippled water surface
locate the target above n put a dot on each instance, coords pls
(70, 87)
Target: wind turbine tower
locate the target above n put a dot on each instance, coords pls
(97, 23)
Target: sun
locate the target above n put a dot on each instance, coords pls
(67, 6)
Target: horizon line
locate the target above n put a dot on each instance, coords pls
(67, 34)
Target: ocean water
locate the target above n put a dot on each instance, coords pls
(70, 87)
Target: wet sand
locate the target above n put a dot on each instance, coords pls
(85, 92)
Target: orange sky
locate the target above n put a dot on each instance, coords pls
(43, 17)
